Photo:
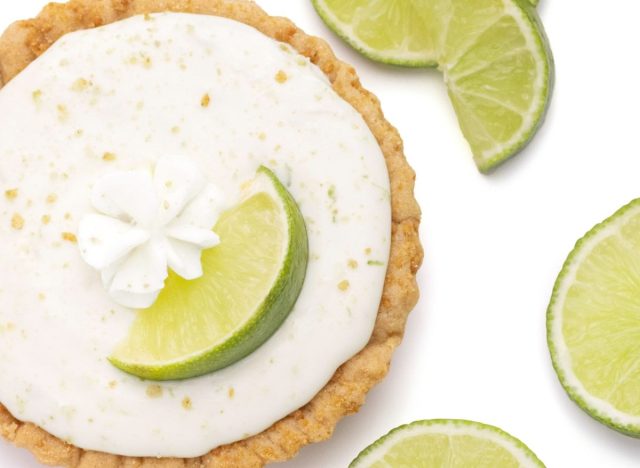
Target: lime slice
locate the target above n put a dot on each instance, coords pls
(493, 53)
(593, 322)
(447, 442)
(251, 282)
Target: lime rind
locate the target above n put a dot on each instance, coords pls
(595, 407)
(263, 323)
(451, 427)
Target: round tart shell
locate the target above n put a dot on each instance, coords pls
(346, 391)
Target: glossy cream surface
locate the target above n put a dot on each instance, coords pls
(230, 99)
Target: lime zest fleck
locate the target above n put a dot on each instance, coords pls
(36, 96)
(332, 192)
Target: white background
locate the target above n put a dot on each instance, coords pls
(475, 346)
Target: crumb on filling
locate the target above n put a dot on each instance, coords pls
(154, 391)
(17, 221)
(281, 77)
(11, 194)
(205, 101)
(69, 237)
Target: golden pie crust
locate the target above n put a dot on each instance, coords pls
(346, 392)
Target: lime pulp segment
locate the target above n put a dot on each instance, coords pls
(251, 282)
(593, 322)
(447, 442)
(494, 55)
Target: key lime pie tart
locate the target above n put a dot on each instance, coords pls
(208, 236)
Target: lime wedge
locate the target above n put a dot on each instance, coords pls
(593, 322)
(251, 282)
(447, 442)
(493, 53)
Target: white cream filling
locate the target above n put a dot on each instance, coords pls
(230, 99)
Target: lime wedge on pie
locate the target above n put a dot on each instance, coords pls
(592, 322)
(447, 442)
(493, 53)
(251, 282)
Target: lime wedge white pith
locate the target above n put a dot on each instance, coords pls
(593, 322)
(250, 284)
(493, 53)
(447, 442)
